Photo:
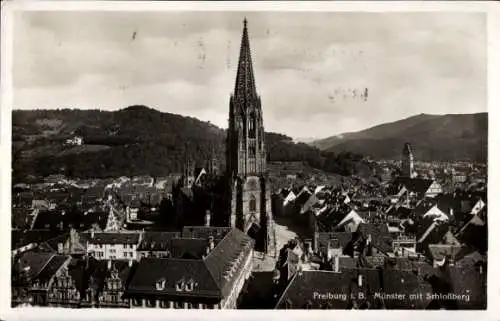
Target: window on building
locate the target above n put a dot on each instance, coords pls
(136, 302)
(164, 304)
(252, 204)
(151, 303)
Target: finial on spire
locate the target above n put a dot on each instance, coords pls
(245, 82)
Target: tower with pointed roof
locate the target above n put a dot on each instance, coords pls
(250, 206)
(407, 166)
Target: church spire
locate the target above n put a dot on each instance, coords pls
(245, 81)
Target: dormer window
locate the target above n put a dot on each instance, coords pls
(180, 286)
(190, 285)
(160, 284)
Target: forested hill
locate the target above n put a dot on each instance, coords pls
(454, 137)
(136, 141)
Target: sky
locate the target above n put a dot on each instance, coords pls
(318, 73)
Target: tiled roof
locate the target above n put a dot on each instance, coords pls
(302, 197)
(381, 238)
(401, 212)
(222, 256)
(329, 219)
(415, 185)
(21, 218)
(467, 281)
(88, 274)
(421, 209)
(21, 238)
(157, 240)
(204, 232)
(343, 239)
(375, 261)
(149, 271)
(405, 282)
(300, 293)
(55, 241)
(123, 268)
(347, 262)
(449, 238)
(111, 237)
(55, 263)
(78, 220)
(188, 248)
(34, 262)
(442, 251)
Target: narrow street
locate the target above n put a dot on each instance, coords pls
(259, 291)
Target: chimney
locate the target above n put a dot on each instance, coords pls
(299, 270)
(211, 243)
(337, 263)
(360, 280)
(207, 218)
(369, 239)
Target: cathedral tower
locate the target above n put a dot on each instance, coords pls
(407, 167)
(250, 206)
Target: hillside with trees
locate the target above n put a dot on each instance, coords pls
(460, 137)
(138, 140)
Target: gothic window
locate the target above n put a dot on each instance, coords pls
(252, 125)
(253, 152)
(253, 204)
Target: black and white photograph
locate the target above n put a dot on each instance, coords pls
(243, 159)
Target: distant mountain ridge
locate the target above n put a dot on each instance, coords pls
(433, 137)
(139, 140)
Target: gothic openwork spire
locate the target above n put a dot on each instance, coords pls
(245, 82)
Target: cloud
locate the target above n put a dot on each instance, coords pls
(311, 68)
